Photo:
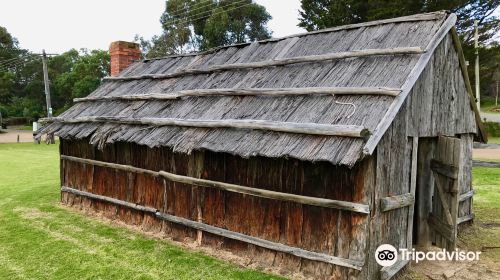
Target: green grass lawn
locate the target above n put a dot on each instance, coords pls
(26, 127)
(41, 240)
(486, 229)
(493, 140)
(488, 104)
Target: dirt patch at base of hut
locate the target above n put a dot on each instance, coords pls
(438, 270)
(481, 236)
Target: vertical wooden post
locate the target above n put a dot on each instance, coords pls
(50, 137)
(413, 187)
(425, 189)
(195, 170)
(476, 66)
(456, 154)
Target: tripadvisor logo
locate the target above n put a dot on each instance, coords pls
(387, 255)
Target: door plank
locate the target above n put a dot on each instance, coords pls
(442, 197)
(444, 169)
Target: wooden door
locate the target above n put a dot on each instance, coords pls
(445, 169)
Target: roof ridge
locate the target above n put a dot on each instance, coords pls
(416, 17)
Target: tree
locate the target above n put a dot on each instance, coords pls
(72, 74)
(80, 74)
(319, 14)
(10, 63)
(6, 87)
(6, 40)
(192, 25)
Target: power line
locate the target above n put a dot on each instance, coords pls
(186, 9)
(29, 56)
(23, 58)
(6, 62)
(210, 13)
(16, 63)
(2, 61)
(9, 67)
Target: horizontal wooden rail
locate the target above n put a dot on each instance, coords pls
(466, 195)
(387, 272)
(275, 62)
(109, 199)
(397, 201)
(315, 201)
(122, 167)
(482, 163)
(263, 243)
(249, 92)
(226, 233)
(444, 169)
(288, 127)
(465, 218)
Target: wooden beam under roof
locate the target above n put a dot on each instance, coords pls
(325, 91)
(287, 127)
(274, 63)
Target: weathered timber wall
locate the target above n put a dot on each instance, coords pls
(392, 165)
(336, 232)
(465, 175)
(439, 103)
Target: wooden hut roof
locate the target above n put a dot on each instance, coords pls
(327, 95)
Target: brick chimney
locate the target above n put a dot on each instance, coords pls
(122, 55)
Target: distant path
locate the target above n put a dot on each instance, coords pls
(490, 117)
(11, 136)
(485, 154)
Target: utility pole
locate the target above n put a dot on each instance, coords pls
(496, 99)
(46, 82)
(476, 47)
(50, 137)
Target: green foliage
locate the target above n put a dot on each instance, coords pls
(71, 74)
(39, 239)
(492, 128)
(319, 14)
(6, 87)
(490, 104)
(24, 107)
(489, 64)
(191, 25)
(80, 74)
(6, 40)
